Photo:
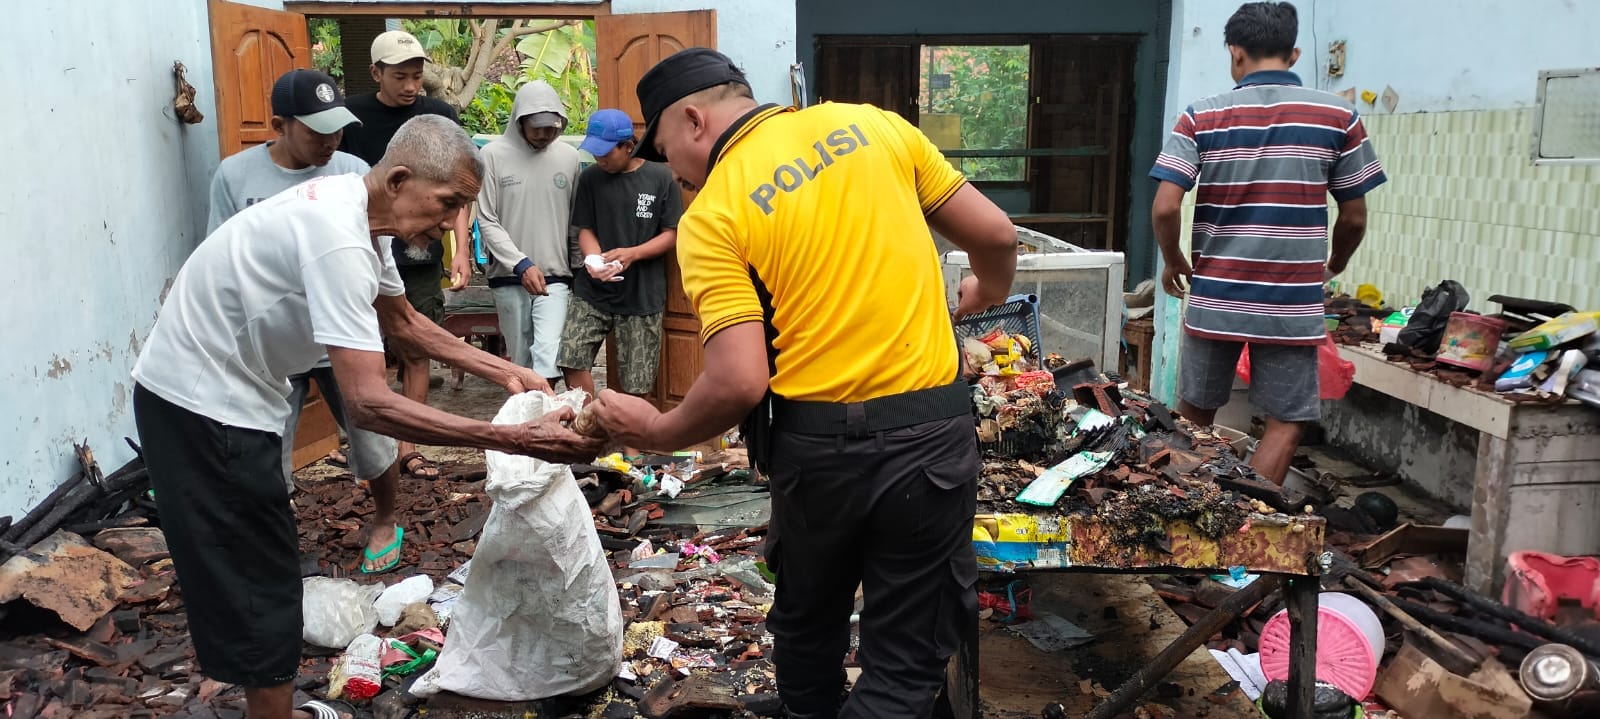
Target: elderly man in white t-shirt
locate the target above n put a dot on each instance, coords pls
(262, 299)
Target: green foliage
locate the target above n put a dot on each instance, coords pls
(447, 41)
(564, 57)
(491, 107)
(988, 89)
(325, 54)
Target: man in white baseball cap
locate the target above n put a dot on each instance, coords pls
(397, 62)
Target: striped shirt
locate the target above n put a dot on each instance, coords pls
(1265, 156)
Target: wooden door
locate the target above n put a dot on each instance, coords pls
(250, 48)
(628, 46)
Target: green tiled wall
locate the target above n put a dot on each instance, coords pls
(1464, 202)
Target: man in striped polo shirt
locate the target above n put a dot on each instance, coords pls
(1264, 156)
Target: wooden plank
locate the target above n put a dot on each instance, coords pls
(1301, 597)
(333, 8)
(1086, 151)
(1132, 626)
(1193, 639)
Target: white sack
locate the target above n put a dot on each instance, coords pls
(539, 616)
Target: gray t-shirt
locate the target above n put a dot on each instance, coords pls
(251, 176)
(627, 210)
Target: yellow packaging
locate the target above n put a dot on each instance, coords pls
(1023, 528)
(1558, 331)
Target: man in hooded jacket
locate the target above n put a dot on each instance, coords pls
(524, 213)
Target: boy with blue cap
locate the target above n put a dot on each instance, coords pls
(626, 212)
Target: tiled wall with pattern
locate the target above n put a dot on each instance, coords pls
(1464, 202)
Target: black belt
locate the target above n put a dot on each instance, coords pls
(874, 415)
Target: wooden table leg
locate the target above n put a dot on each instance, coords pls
(1301, 596)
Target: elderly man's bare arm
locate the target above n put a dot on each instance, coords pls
(415, 335)
(371, 405)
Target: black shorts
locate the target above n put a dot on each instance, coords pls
(225, 513)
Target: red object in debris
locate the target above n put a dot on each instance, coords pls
(1335, 374)
(1003, 605)
(1538, 582)
(1039, 382)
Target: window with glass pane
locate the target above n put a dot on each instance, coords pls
(974, 98)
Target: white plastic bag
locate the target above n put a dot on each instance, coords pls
(396, 598)
(539, 616)
(337, 610)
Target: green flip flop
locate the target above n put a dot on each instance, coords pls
(368, 556)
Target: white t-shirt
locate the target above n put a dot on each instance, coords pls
(262, 297)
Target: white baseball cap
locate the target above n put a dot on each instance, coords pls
(395, 47)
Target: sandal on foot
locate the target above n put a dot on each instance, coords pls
(423, 464)
(338, 458)
(367, 555)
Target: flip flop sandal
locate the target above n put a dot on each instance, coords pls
(319, 710)
(367, 555)
(425, 464)
(338, 458)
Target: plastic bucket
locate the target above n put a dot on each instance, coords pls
(1470, 340)
(1350, 643)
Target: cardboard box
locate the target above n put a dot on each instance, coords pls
(1416, 686)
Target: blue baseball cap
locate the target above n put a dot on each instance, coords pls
(607, 128)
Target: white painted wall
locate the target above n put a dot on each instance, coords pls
(105, 195)
(757, 34)
(1451, 55)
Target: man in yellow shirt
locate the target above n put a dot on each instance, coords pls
(808, 258)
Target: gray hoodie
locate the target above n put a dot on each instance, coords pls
(525, 206)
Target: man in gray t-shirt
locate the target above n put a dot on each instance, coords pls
(307, 147)
(309, 117)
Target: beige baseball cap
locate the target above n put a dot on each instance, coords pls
(395, 47)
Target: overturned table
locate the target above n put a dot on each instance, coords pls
(1287, 551)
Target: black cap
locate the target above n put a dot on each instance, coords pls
(686, 72)
(314, 99)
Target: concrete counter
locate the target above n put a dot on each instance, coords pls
(1534, 469)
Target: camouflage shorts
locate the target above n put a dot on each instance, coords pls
(637, 337)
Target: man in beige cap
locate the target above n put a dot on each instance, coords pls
(397, 60)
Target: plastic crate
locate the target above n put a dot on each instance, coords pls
(1018, 316)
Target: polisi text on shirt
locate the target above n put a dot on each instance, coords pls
(790, 176)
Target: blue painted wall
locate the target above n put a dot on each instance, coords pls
(105, 197)
(950, 17)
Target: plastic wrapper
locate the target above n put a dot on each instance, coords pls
(337, 611)
(396, 598)
(358, 674)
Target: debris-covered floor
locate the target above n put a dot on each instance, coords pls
(94, 627)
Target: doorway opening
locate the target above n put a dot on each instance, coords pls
(1040, 123)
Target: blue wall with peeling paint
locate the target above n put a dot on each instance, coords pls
(105, 197)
